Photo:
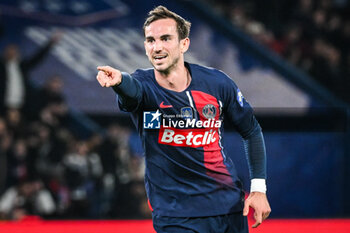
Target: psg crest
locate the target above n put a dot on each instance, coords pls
(209, 111)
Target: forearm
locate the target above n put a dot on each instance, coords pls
(254, 146)
(129, 92)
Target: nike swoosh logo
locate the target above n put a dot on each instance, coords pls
(162, 105)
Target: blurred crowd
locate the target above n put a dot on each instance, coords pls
(313, 35)
(47, 168)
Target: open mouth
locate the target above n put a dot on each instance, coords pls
(159, 57)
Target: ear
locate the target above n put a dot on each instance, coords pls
(184, 44)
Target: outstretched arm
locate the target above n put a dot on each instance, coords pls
(39, 55)
(129, 90)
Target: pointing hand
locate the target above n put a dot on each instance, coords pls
(108, 76)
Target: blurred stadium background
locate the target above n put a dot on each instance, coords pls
(67, 152)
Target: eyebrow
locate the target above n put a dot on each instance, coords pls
(165, 36)
(161, 37)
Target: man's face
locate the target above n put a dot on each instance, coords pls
(162, 45)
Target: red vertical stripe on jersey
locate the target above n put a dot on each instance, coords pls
(213, 158)
(149, 205)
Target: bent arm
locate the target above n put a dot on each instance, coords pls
(40, 54)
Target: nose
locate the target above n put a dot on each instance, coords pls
(158, 46)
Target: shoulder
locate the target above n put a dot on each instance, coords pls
(214, 77)
(143, 75)
(211, 74)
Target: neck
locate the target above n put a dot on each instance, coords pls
(176, 80)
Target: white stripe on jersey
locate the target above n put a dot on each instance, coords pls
(191, 103)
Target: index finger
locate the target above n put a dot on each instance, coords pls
(258, 218)
(106, 69)
(256, 224)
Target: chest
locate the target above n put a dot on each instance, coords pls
(195, 102)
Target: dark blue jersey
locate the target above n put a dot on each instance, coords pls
(187, 171)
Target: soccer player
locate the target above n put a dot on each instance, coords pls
(179, 109)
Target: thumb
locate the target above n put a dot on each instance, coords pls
(246, 208)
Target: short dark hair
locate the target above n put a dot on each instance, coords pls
(161, 12)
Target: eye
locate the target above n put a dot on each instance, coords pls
(150, 40)
(166, 38)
